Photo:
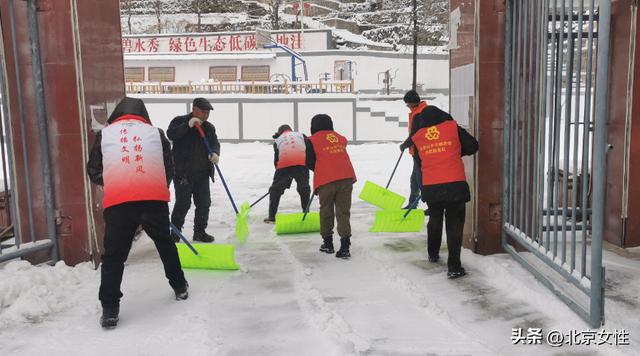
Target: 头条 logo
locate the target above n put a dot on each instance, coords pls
(332, 138)
(432, 133)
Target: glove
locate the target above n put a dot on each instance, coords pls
(214, 158)
(193, 121)
(402, 148)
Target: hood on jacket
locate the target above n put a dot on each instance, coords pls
(432, 115)
(129, 106)
(321, 122)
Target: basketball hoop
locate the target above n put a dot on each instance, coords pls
(263, 37)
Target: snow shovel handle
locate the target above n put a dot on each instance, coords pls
(206, 143)
(412, 206)
(251, 206)
(306, 211)
(183, 239)
(394, 170)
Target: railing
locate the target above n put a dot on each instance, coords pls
(253, 87)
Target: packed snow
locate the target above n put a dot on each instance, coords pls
(290, 299)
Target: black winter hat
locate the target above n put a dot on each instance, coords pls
(321, 122)
(203, 104)
(281, 129)
(412, 97)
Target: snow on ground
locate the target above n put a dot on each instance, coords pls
(290, 299)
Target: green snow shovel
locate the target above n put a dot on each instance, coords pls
(382, 197)
(242, 230)
(398, 220)
(209, 256)
(297, 223)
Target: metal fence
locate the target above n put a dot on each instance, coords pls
(556, 77)
(253, 87)
(12, 244)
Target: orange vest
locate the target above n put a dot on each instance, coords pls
(332, 159)
(439, 149)
(291, 149)
(133, 162)
(414, 111)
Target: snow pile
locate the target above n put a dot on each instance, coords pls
(29, 293)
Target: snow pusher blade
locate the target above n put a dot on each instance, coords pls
(208, 257)
(395, 221)
(242, 230)
(381, 197)
(293, 223)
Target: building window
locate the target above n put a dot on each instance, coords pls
(250, 73)
(134, 74)
(224, 74)
(162, 74)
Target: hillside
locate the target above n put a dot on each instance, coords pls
(388, 22)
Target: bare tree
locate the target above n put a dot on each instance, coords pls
(126, 5)
(158, 6)
(274, 12)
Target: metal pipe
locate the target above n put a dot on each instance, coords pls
(586, 130)
(567, 131)
(599, 158)
(6, 139)
(508, 55)
(25, 153)
(516, 113)
(27, 251)
(576, 135)
(542, 129)
(42, 126)
(557, 123)
(529, 118)
(551, 110)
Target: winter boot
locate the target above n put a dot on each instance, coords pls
(434, 259)
(200, 235)
(455, 272)
(182, 294)
(175, 236)
(344, 248)
(273, 209)
(109, 318)
(304, 201)
(327, 246)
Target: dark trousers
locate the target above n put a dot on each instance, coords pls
(335, 194)
(416, 182)
(280, 184)
(454, 214)
(197, 185)
(121, 223)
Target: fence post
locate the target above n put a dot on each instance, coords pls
(351, 85)
(286, 88)
(190, 89)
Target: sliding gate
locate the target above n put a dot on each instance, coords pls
(556, 65)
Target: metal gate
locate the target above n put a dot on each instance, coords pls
(12, 244)
(556, 76)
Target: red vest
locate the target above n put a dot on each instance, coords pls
(439, 149)
(332, 159)
(415, 111)
(291, 149)
(133, 163)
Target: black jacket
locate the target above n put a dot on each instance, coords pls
(454, 191)
(184, 143)
(128, 106)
